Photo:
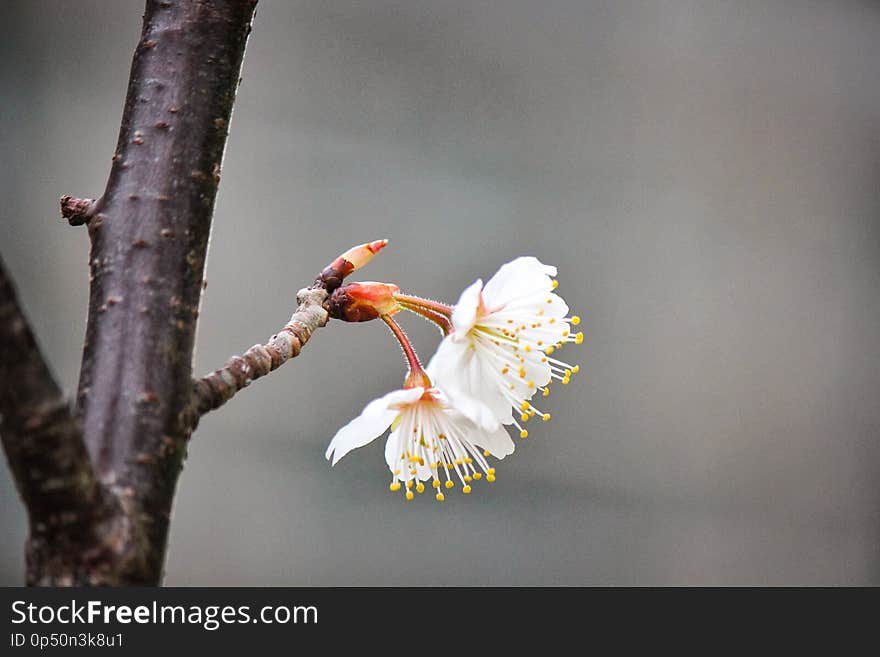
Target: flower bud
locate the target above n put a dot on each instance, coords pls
(361, 302)
(355, 258)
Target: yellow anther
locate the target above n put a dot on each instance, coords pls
(524, 406)
(575, 369)
(579, 338)
(436, 483)
(440, 497)
(524, 417)
(397, 472)
(420, 487)
(531, 384)
(565, 333)
(552, 320)
(490, 471)
(505, 370)
(575, 320)
(449, 483)
(467, 477)
(413, 471)
(510, 321)
(549, 350)
(555, 283)
(565, 381)
(457, 461)
(478, 475)
(468, 460)
(568, 373)
(409, 495)
(490, 478)
(449, 466)
(523, 434)
(528, 348)
(545, 417)
(466, 490)
(549, 300)
(486, 452)
(546, 392)
(409, 484)
(522, 372)
(395, 486)
(543, 359)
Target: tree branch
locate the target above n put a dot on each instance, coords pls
(149, 234)
(215, 389)
(99, 485)
(68, 510)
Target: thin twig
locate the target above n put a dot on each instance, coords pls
(215, 389)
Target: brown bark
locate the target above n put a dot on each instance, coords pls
(69, 512)
(149, 235)
(120, 456)
(99, 483)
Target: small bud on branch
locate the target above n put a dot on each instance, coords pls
(77, 211)
(313, 311)
(355, 258)
(361, 302)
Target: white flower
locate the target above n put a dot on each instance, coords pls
(430, 439)
(499, 352)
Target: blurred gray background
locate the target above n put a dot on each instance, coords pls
(706, 176)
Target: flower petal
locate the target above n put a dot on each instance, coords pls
(376, 417)
(465, 313)
(520, 277)
(459, 371)
(392, 458)
(497, 443)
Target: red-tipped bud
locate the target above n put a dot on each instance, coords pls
(355, 258)
(361, 302)
(360, 255)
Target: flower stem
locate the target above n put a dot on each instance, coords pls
(434, 311)
(441, 321)
(416, 376)
(411, 302)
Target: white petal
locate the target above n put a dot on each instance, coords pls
(521, 277)
(392, 450)
(458, 370)
(376, 417)
(392, 458)
(498, 443)
(465, 313)
(474, 410)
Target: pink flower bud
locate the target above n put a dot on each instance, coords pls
(355, 258)
(360, 255)
(361, 302)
